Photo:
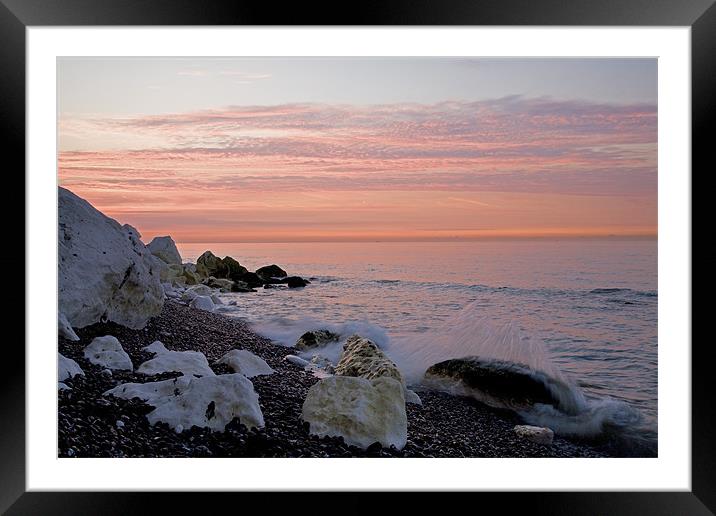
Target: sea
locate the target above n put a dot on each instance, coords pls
(578, 309)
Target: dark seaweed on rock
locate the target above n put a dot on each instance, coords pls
(515, 385)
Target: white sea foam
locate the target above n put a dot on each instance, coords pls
(287, 331)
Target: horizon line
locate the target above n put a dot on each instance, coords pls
(414, 240)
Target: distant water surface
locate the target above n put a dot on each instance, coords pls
(589, 304)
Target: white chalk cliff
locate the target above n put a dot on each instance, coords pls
(105, 271)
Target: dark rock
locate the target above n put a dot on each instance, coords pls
(251, 279)
(210, 265)
(240, 286)
(270, 272)
(295, 282)
(504, 383)
(234, 270)
(316, 338)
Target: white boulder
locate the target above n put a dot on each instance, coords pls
(108, 352)
(244, 362)
(67, 368)
(105, 271)
(210, 401)
(164, 248)
(536, 434)
(185, 362)
(194, 291)
(202, 303)
(296, 360)
(154, 393)
(361, 411)
(64, 328)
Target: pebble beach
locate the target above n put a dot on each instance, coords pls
(93, 425)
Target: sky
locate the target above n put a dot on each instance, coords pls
(346, 149)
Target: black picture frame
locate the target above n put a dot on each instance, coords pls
(17, 15)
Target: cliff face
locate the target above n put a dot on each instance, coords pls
(105, 271)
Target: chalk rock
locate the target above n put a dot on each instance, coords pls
(244, 362)
(202, 303)
(537, 434)
(67, 368)
(194, 291)
(105, 271)
(361, 411)
(412, 397)
(209, 401)
(362, 358)
(296, 360)
(315, 339)
(108, 352)
(64, 328)
(164, 248)
(185, 362)
(181, 274)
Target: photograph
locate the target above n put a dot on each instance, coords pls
(351, 257)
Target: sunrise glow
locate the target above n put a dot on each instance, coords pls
(455, 168)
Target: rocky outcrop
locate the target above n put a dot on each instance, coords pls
(180, 274)
(362, 358)
(105, 271)
(107, 352)
(271, 272)
(165, 361)
(210, 265)
(536, 434)
(187, 401)
(361, 411)
(234, 270)
(503, 384)
(223, 284)
(164, 248)
(240, 286)
(316, 339)
(244, 362)
(191, 277)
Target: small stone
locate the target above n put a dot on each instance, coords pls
(536, 434)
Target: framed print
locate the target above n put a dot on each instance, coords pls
(417, 248)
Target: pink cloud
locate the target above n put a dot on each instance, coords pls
(208, 159)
